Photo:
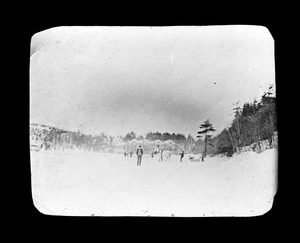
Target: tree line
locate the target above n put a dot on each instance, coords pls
(165, 136)
(253, 122)
(48, 137)
(152, 136)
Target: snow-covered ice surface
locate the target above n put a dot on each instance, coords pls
(85, 184)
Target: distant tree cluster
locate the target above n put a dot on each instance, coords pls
(47, 137)
(252, 123)
(129, 136)
(165, 136)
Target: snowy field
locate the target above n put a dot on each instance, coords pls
(85, 184)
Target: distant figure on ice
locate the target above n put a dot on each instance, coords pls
(165, 153)
(203, 156)
(156, 151)
(160, 155)
(181, 155)
(139, 153)
(128, 154)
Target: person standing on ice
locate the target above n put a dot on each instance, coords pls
(139, 153)
(181, 155)
(203, 156)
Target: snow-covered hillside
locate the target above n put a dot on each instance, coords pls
(78, 183)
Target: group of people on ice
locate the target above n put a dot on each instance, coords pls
(164, 155)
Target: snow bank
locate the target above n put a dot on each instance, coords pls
(79, 183)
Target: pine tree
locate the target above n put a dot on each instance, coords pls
(224, 143)
(236, 124)
(207, 127)
(267, 115)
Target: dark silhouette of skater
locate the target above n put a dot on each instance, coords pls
(161, 155)
(181, 155)
(139, 153)
(203, 156)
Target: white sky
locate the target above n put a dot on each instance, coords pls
(166, 79)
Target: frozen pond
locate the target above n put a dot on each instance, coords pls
(78, 183)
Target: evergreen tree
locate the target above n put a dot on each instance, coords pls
(224, 144)
(206, 128)
(236, 124)
(267, 117)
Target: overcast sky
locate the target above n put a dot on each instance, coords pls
(167, 79)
